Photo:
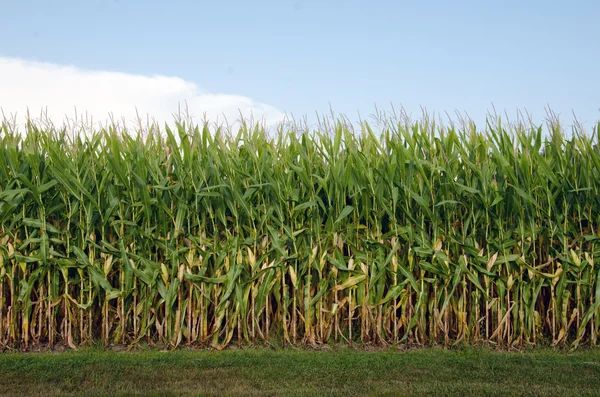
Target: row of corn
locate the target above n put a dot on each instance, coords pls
(416, 233)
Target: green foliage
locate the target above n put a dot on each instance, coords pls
(423, 234)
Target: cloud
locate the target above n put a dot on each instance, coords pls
(60, 92)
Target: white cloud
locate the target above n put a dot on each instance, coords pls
(58, 90)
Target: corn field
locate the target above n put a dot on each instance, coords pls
(418, 234)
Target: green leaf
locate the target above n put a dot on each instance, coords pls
(305, 205)
(345, 212)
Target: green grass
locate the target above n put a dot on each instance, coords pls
(301, 372)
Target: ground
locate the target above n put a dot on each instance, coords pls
(291, 372)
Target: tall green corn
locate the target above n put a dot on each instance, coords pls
(417, 233)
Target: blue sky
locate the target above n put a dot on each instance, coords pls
(301, 56)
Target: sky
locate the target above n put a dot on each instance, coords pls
(272, 58)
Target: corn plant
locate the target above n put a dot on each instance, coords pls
(417, 233)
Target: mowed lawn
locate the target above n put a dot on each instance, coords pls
(257, 372)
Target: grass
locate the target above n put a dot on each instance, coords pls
(340, 371)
